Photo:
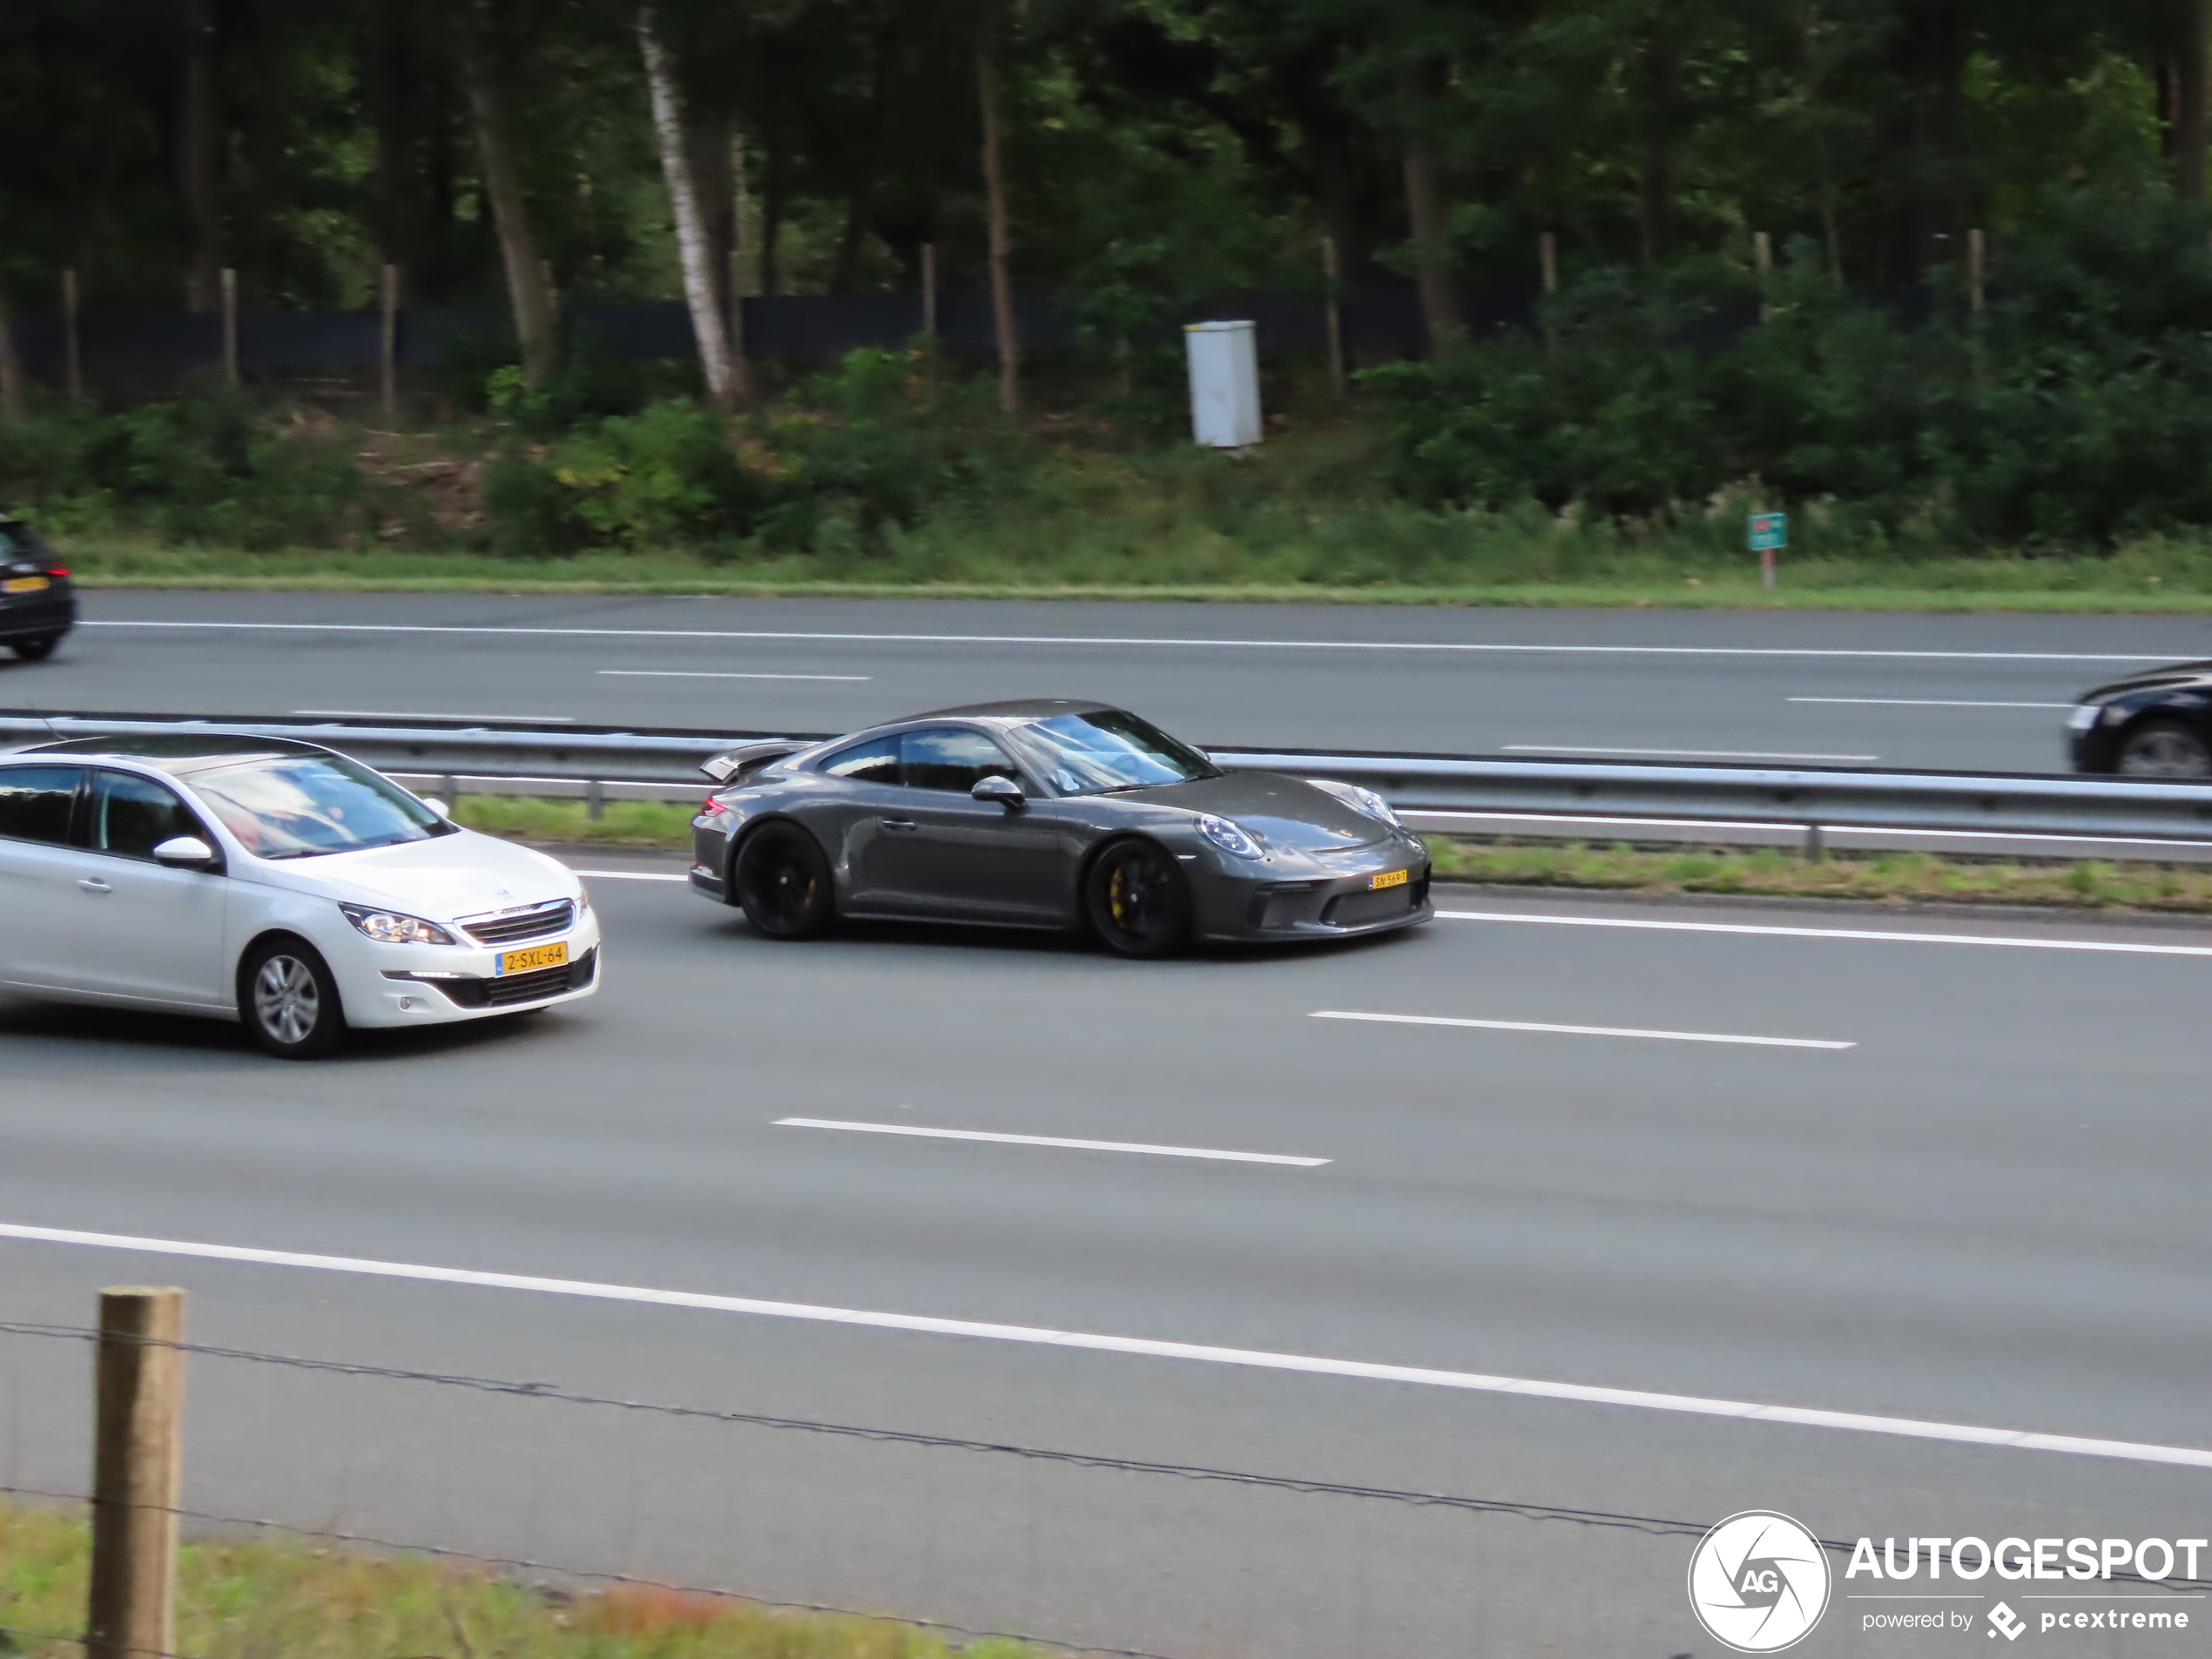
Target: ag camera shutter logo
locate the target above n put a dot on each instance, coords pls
(1759, 1581)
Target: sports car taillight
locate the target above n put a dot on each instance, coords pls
(57, 569)
(713, 809)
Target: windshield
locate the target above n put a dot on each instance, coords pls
(297, 806)
(1088, 754)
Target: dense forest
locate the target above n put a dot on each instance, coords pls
(1936, 263)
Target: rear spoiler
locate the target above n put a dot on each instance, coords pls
(732, 765)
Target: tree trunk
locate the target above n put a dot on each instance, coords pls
(196, 148)
(707, 141)
(772, 197)
(11, 398)
(1424, 214)
(700, 292)
(2190, 135)
(1010, 343)
(528, 290)
(1927, 224)
(395, 80)
(1655, 148)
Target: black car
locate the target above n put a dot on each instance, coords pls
(38, 605)
(1049, 814)
(2154, 725)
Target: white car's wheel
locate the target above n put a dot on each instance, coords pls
(289, 1000)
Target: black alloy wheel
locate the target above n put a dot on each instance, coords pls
(289, 1002)
(2164, 749)
(1136, 900)
(782, 882)
(37, 650)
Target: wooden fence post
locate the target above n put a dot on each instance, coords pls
(1763, 256)
(388, 344)
(72, 354)
(1977, 257)
(230, 325)
(929, 288)
(138, 1469)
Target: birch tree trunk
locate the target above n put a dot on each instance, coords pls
(1010, 343)
(528, 290)
(690, 230)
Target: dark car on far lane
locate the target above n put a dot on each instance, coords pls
(2157, 724)
(1049, 814)
(38, 605)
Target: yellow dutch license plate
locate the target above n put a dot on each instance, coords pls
(537, 957)
(1389, 879)
(24, 584)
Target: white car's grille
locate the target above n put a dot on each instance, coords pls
(534, 923)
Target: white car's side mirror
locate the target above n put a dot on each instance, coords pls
(437, 806)
(185, 853)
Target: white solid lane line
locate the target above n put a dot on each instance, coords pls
(1049, 1139)
(1577, 1394)
(412, 714)
(630, 875)
(1581, 1030)
(1672, 754)
(705, 674)
(1091, 639)
(1794, 831)
(2118, 946)
(1928, 703)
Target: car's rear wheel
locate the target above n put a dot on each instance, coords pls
(781, 880)
(2164, 749)
(1136, 900)
(289, 1000)
(36, 651)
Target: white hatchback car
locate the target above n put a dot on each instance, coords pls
(275, 882)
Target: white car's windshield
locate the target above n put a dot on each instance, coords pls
(298, 806)
(1091, 754)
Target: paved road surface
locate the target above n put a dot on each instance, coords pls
(1968, 692)
(1987, 1211)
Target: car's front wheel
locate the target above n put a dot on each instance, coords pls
(289, 1000)
(2163, 749)
(1136, 900)
(781, 880)
(37, 650)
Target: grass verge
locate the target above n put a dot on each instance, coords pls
(1900, 877)
(250, 1601)
(2068, 586)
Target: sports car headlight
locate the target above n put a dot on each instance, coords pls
(1361, 800)
(1229, 838)
(390, 927)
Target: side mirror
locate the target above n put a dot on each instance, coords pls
(437, 806)
(1004, 790)
(185, 853)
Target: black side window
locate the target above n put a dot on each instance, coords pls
(132, 816)
(35, 802)
(949, 759)
(875, 762)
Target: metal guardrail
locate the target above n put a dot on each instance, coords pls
(2019, 804)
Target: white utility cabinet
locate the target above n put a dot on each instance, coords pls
(1225, 384)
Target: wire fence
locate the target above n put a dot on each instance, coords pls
(969, 1537)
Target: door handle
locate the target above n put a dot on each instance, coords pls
(95, 884)
(901, 825)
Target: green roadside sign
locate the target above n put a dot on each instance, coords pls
(1769, 531)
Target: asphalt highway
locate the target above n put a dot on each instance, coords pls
(1573, 1169)
(1984, 692)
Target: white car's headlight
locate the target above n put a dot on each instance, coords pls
(391, 927)
(582, 899)
(1229, 838)
(2083, 717)
(1361, 800)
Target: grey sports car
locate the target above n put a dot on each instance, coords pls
(1048, 813)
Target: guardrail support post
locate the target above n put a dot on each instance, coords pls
(595, 799)
(1816, 844)
(137, 1472)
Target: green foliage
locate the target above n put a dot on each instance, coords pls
(2076, 411)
